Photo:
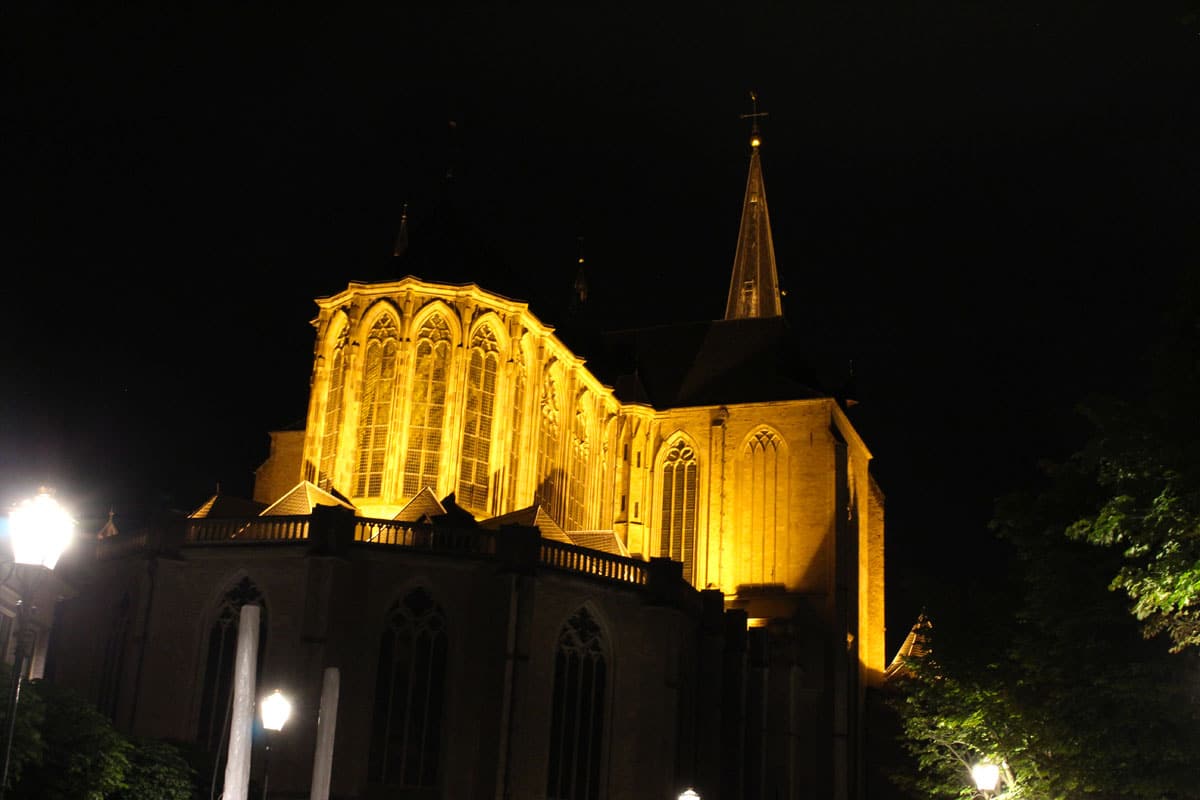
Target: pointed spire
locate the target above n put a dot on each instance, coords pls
(754, 286)
(579, 297)
(402, 236)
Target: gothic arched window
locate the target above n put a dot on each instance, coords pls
(515, 453)
(474, 474)
(548, 471)
(217, 694)
(680, 484)
(332, 422)
(114, 658)
(410, 687)
(763, 491)
(375, 407)
(577, 487)
(428, 406)
(577, 713)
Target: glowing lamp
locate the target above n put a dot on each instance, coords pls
(40, 530)
(754, 142)
(275, 711)
(689, 794)
(986, 776)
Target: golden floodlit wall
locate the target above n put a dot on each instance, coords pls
(452, 387)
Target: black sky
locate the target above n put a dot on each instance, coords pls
(984, 205)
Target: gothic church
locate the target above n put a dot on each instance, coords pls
(539, 576)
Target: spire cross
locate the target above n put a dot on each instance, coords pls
(754, 116)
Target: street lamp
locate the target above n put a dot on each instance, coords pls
(39, 530)
(689, 794)
(275, 712)
(986, 775)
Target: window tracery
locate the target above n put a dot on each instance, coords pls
(680, 484)
(577, 712)
(217, 693)
(474, 475)
(548, 471)
(334, 409)
(515, 454)
(375, 407)
(428, 411)
(409, 694)
(763, 477)
(578, 472)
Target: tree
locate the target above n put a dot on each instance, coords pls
(1144, 458)
(83, 757)
(157, 771)
(1048, 674)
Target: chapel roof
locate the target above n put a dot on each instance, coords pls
(707, 363)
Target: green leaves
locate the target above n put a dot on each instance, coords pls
(64, 749)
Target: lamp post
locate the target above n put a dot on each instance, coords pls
(40, 530)
(275, 712)
(986, 776)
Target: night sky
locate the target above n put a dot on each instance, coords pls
(984, 205)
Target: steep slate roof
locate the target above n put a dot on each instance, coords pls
(424, 505)
(915, 645)
(706, 363)
(754, 284)
(532, 517)
(301, 499)
(223, 506)
(608, 541)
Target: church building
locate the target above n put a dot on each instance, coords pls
(539, 575)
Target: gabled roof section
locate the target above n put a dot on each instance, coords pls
(754, 287)
(532, 517)
(707, 363)
(606, 541)
(915, 645)
(223, 506)
(300, 501)
(423, 507)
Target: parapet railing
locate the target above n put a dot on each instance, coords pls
(529, 548)
(255, 530)
(561, 555)
(424, 537)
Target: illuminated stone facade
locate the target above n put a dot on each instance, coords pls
(617, 577)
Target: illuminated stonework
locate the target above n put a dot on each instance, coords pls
(453, 388)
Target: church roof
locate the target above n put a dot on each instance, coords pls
(533, 516)
(424, 505)
(223, 506)
(301, 499)
(707, 363)
(915, 645)
(754, 285)
(607, 541)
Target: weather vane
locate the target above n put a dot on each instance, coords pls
(753, 116)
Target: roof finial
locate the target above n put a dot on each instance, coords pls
(753, 116)
(402, 236)
(579, 298)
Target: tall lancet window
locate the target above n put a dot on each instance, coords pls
(375, 407)
(549, 472)
(334, 409)
(428, 406)
(577, 491)
(680, 484)
(410, 688)
(515, 453)
(217, 694)
(113, 668)
(577, 714)
(763, 490)
(474, 474)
